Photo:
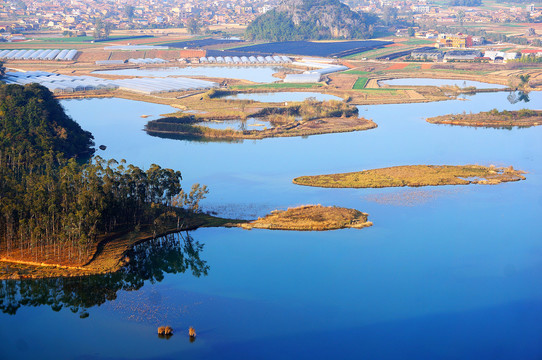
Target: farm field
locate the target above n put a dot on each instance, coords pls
(360, 83)
(309, 48)
(201, 43)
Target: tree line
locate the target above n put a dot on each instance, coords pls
(171, 254)
(56, 201)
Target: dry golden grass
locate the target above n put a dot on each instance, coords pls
(506, 119)
(414, 175)
(311, 218)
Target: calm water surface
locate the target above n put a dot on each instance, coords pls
(441, 82)
(261, 74)
(444, 273)
(283, 96)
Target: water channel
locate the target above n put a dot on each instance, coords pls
(260, 74)
(444, 273)
(441, 82)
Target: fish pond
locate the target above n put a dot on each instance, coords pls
(444, 273)
(283, 96)
(441, 82)
(260, 74)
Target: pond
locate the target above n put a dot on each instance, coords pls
(441, 82)
(248, 124)
(259, 74)
(283, 96)
(445, 272)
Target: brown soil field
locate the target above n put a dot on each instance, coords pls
(311, 218)
(414, 176)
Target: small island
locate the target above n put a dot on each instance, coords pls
(414, 176)
(311, 218)
(493, 118)
(300, 119)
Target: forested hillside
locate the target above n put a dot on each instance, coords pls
(311, 19)
(54, 206)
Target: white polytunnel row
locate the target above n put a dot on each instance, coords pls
(58, 83)
(40, 54)
(246, 60)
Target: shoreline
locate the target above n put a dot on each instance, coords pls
(109, 255)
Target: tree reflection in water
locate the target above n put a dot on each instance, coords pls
(149, 261)
(518, 96)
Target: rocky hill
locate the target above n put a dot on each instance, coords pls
(311, 19)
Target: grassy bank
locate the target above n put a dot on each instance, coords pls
(311, 218)
(414, 175)
(109, 255)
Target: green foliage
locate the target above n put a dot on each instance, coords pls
(312, 109)
(320, 19)
(53, 204)
(193, 26)
(360, 83)
(273, 26)
(217, 93)
(32, 123)
(172, 254)
(102, 29)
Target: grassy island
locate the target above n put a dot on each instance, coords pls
(493, 118)
(311, 218)
(415, 175)
(301, 119)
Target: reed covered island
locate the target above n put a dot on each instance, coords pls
(311, 218)
(300, 119)
(414, 176)
(493, 118)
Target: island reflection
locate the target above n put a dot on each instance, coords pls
(148, 261)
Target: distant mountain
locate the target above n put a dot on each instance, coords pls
(311, 19)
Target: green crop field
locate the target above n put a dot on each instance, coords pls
(356, 72)
(360, 83)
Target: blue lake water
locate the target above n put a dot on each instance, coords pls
(283, 96)
(248, 124)
(441, 82)
(444, 273)
(260, 74)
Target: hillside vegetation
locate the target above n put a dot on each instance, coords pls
(311, 19)
(55, 207)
